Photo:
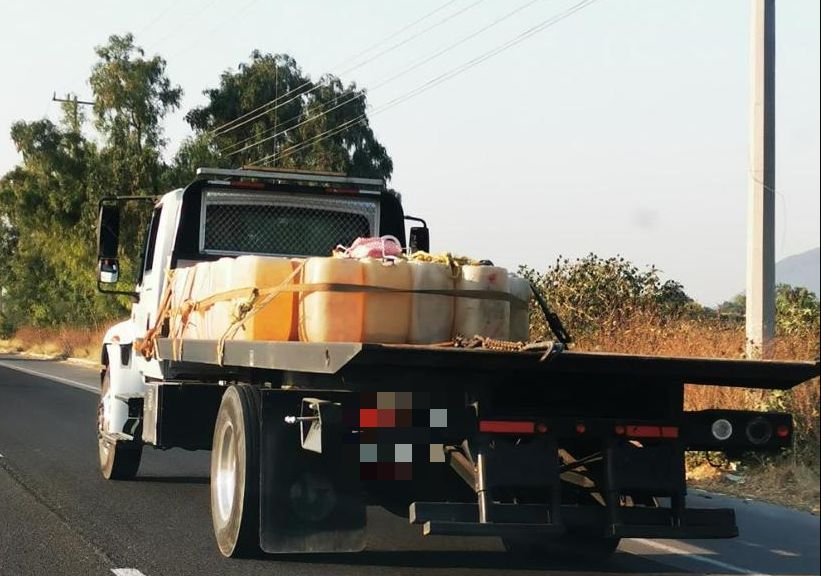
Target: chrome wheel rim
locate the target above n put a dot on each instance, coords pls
(225, 481)
(102, 444)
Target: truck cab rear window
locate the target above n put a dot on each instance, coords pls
(311, 227)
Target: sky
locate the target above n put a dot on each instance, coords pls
(622, 129)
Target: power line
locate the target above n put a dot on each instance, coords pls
(415, 66)
(272, 105)
(545, 24)
(200, 12)
(209, 33)
(541, 26)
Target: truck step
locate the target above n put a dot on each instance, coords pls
(129, 396)
(114, 437)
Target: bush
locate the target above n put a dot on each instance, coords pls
(592, 293)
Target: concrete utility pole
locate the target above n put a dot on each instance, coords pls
(761, 208)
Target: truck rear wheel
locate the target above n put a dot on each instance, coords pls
(119, 460)
(235, 473)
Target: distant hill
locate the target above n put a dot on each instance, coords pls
(801, 270)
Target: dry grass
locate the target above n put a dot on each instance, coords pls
(785, 483)
(56, 342)
(790, 480)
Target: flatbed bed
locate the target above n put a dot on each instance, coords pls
(330, 358)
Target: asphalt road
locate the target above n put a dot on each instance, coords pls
(59, 517)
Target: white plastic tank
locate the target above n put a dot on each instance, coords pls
(431, 315)
(482, 317)
(328, 316)
(200, 289)
(519, 317)
(182, 286)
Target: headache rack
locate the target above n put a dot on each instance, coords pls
(330, 179)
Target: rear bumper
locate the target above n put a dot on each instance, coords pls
(462, 519)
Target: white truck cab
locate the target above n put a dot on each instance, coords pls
(222, 213)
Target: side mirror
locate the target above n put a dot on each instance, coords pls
(419, 236)
(108, 271)
(108, 232)
(419, 240)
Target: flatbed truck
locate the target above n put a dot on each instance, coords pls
(554, 451)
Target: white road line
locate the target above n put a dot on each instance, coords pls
(127, 572)
(66, 381)
(698, 557)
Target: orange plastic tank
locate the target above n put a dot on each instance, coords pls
(386, 317)
(273, 322)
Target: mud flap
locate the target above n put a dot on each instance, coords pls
(309, 502)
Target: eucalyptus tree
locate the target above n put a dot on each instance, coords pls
(269, 112)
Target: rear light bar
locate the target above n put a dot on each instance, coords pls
(735, 431)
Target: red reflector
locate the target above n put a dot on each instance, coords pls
(669, 432)
(541, 428)
(581, 428)
(783, 431)
(619, 430)
(652, 431)
(644, 431)
(506, 427)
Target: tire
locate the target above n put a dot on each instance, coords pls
(118, 460)
(564, 547)
(235, 473)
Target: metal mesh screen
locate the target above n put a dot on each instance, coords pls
(284, 225)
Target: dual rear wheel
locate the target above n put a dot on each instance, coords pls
(235, 473)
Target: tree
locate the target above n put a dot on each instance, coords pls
(270, 113)
(44, 203)
(797, 309)
(48, 203)
(132, 95)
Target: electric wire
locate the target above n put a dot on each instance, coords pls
(210, 32)
(354, 57)
(273, 104)
(521, 37)
(404, 72)
(398, 32)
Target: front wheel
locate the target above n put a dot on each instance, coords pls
(235, 473)
(119, 460)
